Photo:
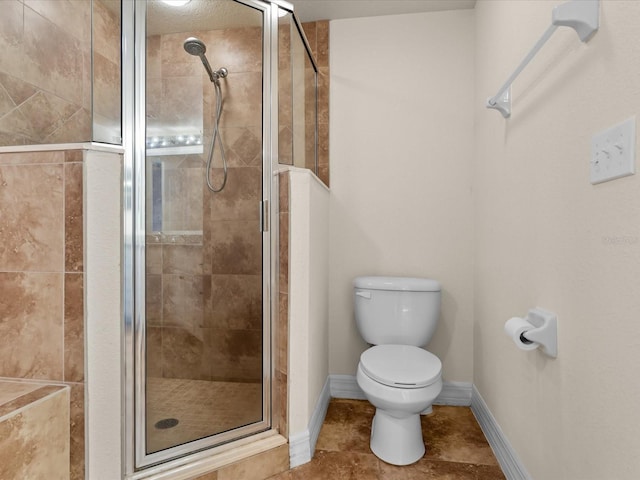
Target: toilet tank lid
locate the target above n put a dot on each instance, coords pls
(410, 284)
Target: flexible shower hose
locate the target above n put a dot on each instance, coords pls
(216, 137)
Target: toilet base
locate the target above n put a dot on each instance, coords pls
(397, 441)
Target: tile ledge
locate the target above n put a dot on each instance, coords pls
(30, 400)
(214, 459)
(303, 171)
(95, 146)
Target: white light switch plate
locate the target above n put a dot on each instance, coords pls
(613, 152)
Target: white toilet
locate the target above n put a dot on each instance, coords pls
(398, 315)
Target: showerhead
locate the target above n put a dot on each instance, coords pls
(195, 46)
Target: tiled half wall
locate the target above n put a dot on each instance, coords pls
(34, 431)
(41, 277)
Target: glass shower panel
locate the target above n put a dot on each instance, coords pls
(297, 107)
(204, 251)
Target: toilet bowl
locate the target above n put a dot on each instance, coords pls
(398, 315)
(401, 381)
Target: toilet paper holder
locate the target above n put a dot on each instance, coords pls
(545, 331)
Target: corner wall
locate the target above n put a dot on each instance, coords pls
(544, 236)
(401, 151)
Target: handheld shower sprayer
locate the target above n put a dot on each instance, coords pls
(195, 46)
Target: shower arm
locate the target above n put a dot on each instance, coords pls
(581, 15)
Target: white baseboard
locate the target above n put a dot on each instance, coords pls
(345, 386)
(509, 461)
(299, 449)
(302, 445)
(317, 417)
(453, 393)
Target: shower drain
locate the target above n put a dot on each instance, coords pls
(166, 423)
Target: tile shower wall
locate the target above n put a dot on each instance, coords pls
(282, 330)
(45, 71)
(41, 277)
(318, 36)
(204, 267)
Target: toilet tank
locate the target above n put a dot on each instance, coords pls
(396, 310)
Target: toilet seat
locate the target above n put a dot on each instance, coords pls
(401, 366)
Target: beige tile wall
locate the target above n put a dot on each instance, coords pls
(318, 36)
(45, 71)
(41, 276)
(204, 289)
(285, 100)
(281, 356)
(203, 294)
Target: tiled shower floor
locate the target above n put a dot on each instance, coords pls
(201, 408)
(456, 448)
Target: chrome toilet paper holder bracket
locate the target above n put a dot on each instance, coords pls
(545, 332)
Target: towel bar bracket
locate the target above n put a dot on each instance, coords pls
(502, 104)
(580, 15)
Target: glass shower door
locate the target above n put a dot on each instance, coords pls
(206, 266)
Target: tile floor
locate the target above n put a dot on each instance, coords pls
(456, 448)
(201, 407)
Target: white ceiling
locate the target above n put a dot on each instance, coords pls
(309, 10)
(199, 15)
(215, 14)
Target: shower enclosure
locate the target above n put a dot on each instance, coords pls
(223, 88)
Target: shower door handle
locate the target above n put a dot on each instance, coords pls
(264, 216)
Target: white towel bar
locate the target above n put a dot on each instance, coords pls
(581, 15)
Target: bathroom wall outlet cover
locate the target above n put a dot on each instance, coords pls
(613, 152)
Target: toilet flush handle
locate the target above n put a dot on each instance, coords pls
(363, 294)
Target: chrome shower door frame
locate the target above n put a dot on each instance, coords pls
(138, 463)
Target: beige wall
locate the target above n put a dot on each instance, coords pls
(308, 329)
(401, 152)
(103, 319)
(545, 236)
